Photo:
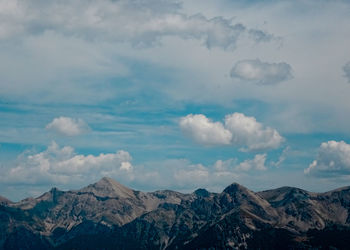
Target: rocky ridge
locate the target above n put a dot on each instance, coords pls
(109, 215)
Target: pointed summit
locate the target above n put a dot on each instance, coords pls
(201, 192)
(107, 187)
(235, 187)
(238, 195)
(4, 201)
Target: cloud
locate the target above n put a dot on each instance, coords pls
(182, 174)
(260, 36)
(142, 23)
(61, 165)
(237, 130)
(66, 169)
(68, 126)
(346, 69)
(281, 158)
(192, 174)
(231, 165)
(250, 134)
(333, 160)
(257, 163)
(204, 131)
(261, 72)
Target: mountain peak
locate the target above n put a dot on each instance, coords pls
(201, 192)
(107, 187)
(4, 200)
(234, 187)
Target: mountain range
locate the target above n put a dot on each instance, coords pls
(108, 215)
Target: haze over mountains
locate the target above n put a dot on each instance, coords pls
(108, 215)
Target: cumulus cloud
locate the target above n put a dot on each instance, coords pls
(346, 69)
(142, 23)
(61, 165)
(250, 134)
(64, 168)
(237, 130)
(259, 72)
(333, 160)
(204, 131)
(232, 165)
(68, 126)
(257, 163)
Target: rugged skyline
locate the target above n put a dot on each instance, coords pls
(167, 94)
(109, 215)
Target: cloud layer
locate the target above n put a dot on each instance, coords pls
(61, 165)
(333, 160)
(238, 130)
(263, 73)
(68, 126)
(142, 23)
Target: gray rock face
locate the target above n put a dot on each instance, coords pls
(109, 215)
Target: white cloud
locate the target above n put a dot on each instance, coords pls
(61, 165)
(258, 163)
(182, 174)
(204, 131)
(68, 126)
(250, 134)
(192, 175)
(64, 168)
(232, 165)
(238, 130)
(333, 160)
(142, 23)
(261, 72)
(281, 158)
(346, 69)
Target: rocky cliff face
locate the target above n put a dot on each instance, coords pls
(108, 215)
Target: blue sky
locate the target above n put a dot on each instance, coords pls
(165, 94)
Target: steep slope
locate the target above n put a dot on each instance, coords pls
(300, 210)
(4, 201)
(103, 205)
(109, 215)
(235, 213)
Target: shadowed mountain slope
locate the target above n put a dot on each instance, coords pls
(108, 215)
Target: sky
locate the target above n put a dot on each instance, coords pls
(168, 94)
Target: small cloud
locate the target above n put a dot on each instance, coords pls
(250, 134)
(260, 36)
(204, 131)
(68, 126)
(346, 69)
(238, 130)
(333, 160)
(232, 165)
(192, 175)
(281, 158)
(257, 163)
(261, 72)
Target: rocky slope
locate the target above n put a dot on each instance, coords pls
(108, 215)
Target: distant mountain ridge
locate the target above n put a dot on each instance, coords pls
(108, 215)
